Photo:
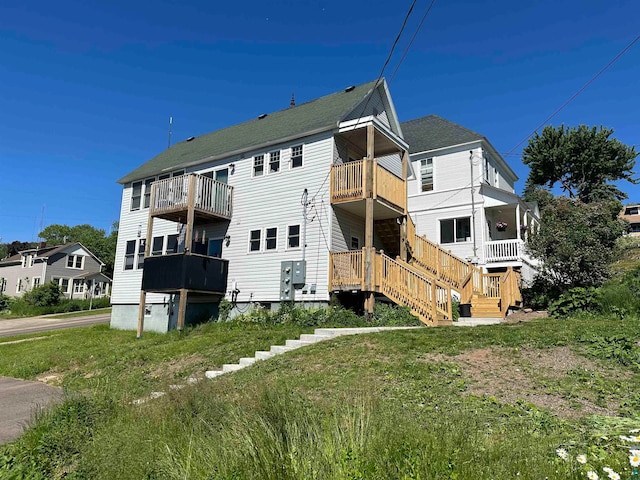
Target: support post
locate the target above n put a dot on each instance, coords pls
(182, 308)
(518, 221)
(403, 239)
(143, 294)
(368, 226)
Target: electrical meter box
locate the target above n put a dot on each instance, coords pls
(299, 273)
(287, 292)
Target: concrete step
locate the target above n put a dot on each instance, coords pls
(297, 343)
(231, 367)
(213, 373)
(246, 361)
(313, 338)
(279, 349)
(474, 322)
(262, 355)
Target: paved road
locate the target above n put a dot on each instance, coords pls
(19, 326)
(19, 400)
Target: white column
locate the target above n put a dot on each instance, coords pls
(518, 221)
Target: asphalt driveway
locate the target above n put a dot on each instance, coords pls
(19, 326)
(19, 401)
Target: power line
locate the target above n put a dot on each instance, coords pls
(406, 50)
(558, 110)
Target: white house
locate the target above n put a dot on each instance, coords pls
(292, 206)
(461, 194)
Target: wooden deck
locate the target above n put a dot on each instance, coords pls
(172, 197)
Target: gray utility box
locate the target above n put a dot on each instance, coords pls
(292, 276)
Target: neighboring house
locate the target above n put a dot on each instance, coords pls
(292, 206)
(72, 266)
(631, 213)
(461, 194)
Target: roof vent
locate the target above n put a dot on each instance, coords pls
(260, 117)
(190, 138)
(350, 88)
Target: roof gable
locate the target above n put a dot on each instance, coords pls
(311, 117)
(433, 132)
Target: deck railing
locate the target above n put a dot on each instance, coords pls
(209, 195)
(503, 250)
(348, 182)
(346, 270)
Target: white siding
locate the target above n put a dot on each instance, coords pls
(375, 106)
(345, 225)
(272, 200)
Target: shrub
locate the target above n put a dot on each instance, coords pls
(575, 300)
(46, 295)
(540, 293)
(5, 302)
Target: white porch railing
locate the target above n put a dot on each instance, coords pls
(504, 250)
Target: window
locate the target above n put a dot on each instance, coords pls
(141, 246)
(147, 192)
(19, 286)
(296, 156)
(455, 230)
(271, 239)
(3, 285)
(64, 285)
(222, 175)
(136, 194)
(293, 236)
(254, 241)
(129, 254)
(164, 177)
(426, 174)
(177, 173)
(172, 243)
(258, 165)
(157, 245)
(78, 286)
(631, 211)
(36, 282)
(75, 261)
(355, 243)
(274, 162)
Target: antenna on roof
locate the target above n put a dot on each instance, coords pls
(170, 125)
(292, 103)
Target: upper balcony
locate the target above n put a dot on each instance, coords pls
(349, 186)
(197, 273)
(172, 197)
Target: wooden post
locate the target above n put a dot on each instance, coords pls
(182, 308)
(405, 174)
(368, 226)
(404, 239)
(147, 250)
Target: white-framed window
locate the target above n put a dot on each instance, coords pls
(271, 238)
(274, 162)
(3, 285)
(157, 246)
(165, 176)
(75, 261)
(293, 236)
(258, 165)
(172, 243)
(254, 240)
(147, 192)
(177, 173)
(136, 195)
(129, 255)
(78, 286)
(27, 260)
(296, 156)
(64, 285)
(633, 210)
(36, 282)
(455, 230)
(354, 243)
(141, 246)
(426, 174)
(19, 285)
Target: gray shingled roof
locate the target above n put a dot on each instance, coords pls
(314, 116)
(433, 132)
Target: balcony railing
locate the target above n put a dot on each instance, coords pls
(169, 273)
(349, 180)
(175, 194)
(504, 250)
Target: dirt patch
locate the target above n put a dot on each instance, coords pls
(514, 375)
(50, 379)
(172, 368)
(519, 316)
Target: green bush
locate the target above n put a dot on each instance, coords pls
(5, 302)
(540, 293)
(47, 295)
(575, 300)
(21, 308)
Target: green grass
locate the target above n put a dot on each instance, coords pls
(83, 313)
(386, 405)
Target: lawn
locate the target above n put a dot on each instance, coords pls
(484, 402)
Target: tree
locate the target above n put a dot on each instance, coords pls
(576, 242)
(583, 161)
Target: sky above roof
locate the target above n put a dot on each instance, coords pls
(87, 87)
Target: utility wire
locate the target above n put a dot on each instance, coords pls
(406, 50)
(558, 110)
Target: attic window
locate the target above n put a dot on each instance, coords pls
(190, 138)
(260, 117)
(350, 88)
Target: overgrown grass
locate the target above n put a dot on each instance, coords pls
(388, 405)
(84, 313)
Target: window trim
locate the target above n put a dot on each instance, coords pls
(356, 237)
(131, 255)
(146, 194)
(291, 159)
(273, 238)
(140, 184)
(433, 177)
(251, 239)
(254, 164)
(74, 263)
(274, 154)
(154, 252)
(455, 229)
(289, 236)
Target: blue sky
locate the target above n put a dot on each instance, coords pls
(87, 87)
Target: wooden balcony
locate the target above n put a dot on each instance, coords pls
(350, 183)
(195, 273)
(171, 199)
